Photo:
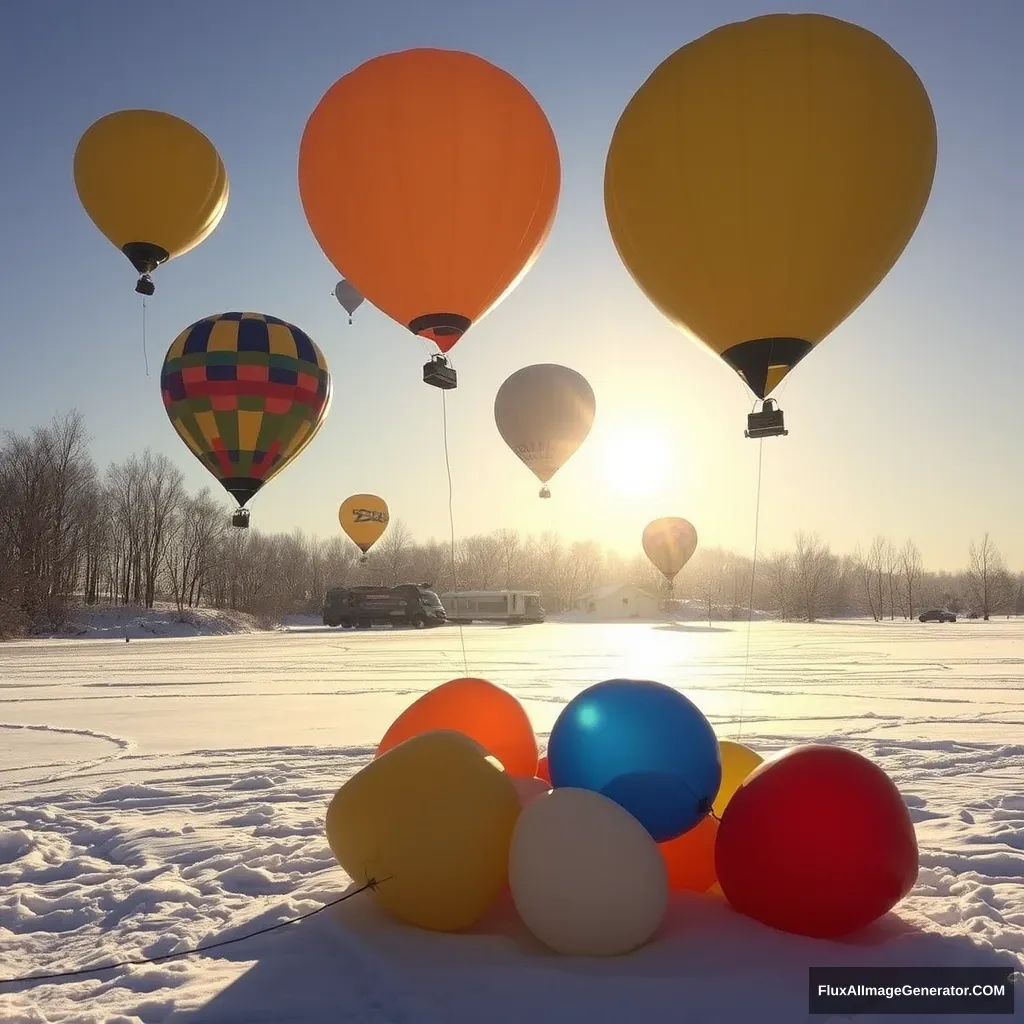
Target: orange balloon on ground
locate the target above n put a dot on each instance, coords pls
(542, 768)
(690, 858)
(478, 709)
(430, 178)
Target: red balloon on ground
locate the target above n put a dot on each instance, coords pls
(690, 858)
(816, 841)
(542, 768)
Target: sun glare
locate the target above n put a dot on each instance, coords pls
(635, 460)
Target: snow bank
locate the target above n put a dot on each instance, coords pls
(98, 622)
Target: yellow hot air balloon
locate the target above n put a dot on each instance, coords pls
(364, 517)
(544, 413)
(154, 186)
(669, 543)
(764, 180)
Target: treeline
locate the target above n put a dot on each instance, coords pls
(132, 534)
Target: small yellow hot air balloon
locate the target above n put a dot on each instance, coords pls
(154, 186)
(544, 413)
(764, 180)
(364, 517)
(669, 543)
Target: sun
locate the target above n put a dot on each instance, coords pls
(635, 460)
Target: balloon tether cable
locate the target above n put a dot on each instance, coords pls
(753, 577)
(145, 354)
(451, 522)
(371, 883)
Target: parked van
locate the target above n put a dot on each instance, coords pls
(493, 606)
(410, 604)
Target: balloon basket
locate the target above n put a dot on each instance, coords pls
(769, 422)
(439, 373)
(144, 285)
(544, 492)
(240, 519)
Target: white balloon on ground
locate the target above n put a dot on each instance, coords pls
(585, 875)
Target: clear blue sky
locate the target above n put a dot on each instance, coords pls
(905, 421)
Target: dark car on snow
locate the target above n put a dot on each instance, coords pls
(936, 615)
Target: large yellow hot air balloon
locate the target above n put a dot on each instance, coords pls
(246, 392)
(669, 543)
(544, 413)
(154, 186)
(364, 517)
(765, 179)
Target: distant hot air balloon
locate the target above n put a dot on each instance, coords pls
(764, 180)
(154, 186)
(349, 298)
(430, 179)
(246, 392)
(364, 517)
(669, 543)
(544, 413)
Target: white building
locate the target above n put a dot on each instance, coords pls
(619, 601)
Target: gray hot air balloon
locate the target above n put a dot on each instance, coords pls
(544, 413)
(350, 299)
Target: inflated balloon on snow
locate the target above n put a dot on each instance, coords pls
(586, 877)
(816, 841)
(643, 745)
(690, 858)
(431, 821)
(478, 709)
(738, 762)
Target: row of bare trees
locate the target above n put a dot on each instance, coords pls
(132, 534)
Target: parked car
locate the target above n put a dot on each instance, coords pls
(406, 605)
(936, 615)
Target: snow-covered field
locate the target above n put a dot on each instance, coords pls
(163, 793)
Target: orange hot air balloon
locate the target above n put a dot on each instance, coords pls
(477, 709)
(430, 179)
(690, 858)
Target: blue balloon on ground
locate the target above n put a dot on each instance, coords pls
(643, 745)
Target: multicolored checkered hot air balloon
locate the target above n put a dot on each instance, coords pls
(246, 392)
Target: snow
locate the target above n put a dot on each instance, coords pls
(171, 792)
(163, 620)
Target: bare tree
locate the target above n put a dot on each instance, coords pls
(988, 582)
(910, 568)
(393, 552)
(816, 571)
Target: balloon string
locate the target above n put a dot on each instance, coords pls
(451, 522)
(753, 576)
(145, 355)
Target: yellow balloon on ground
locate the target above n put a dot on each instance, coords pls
(364, 517)
(153, 184)
(431, 820)
(738, 762)
(585, 875)
(763, 181)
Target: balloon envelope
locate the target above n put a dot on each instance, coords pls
(530, 789)
(153, 184)
(246, 392)
(468, 197)
(346, 294)
(817, 841)
(738, 762)
(544, 413)
(364, 517)
(690, 858)
(542, 768)
(486, 713)
(669, 543)
(431, 821)
(643, 745)
(763, 181)
(586, 877)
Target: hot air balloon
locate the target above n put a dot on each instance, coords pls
(154, 186)
(246, 392)
(349, 298)
(764, 180)
(544, 413)
(364, 517)
(430, 180)
(669, 543)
